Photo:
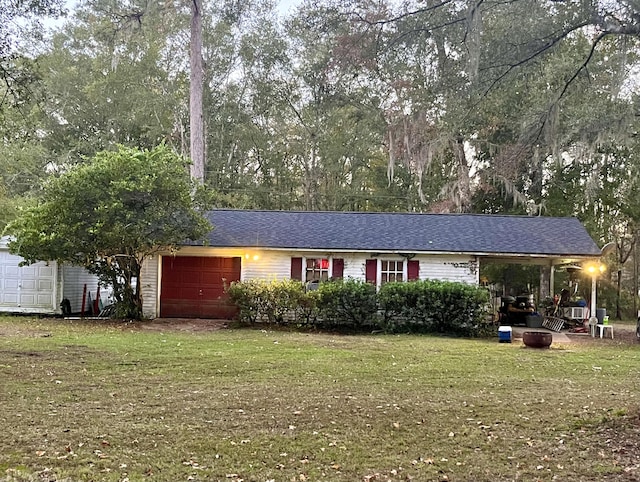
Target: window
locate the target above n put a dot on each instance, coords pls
(391, 271)
(317, 269)
(381, 271)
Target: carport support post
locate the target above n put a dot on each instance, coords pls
(546, 282)
(592, 309)
(594, 269)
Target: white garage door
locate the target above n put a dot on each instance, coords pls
(27, 289)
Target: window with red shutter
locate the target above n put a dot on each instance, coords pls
(296, 268)
(391, 271)
(316, 269)
(371, 271)
(338, 268)
(413, 269)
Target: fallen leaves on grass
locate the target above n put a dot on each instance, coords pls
(100, 454)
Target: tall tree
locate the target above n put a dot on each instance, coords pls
(20, 26)
(340, 128)
(196, 75)
(110, 78)
(446, 63)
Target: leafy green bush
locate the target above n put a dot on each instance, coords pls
(433, 306)
(276, 301)
(280, 300)
(347, 303)
(246, 295)
(419, 306)
(307, 309)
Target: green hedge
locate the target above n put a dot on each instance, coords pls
(269, 301)
(348, 303)
(433, 306)
(333, 304)
(417, 306)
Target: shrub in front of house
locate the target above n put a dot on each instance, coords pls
(246, 295)
(403, 306)
(307, 309)
(334, 304)
(347, 303)
(275, 301)
(280, 300)
(430, 306)
(414, 307)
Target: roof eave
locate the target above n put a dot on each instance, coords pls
(484, 254)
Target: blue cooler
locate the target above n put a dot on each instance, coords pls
(504, 334)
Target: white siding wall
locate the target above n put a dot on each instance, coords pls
(74, 279)
(464, 269)
(354, 265)
(269, 265)
(264, 264)
(277, 264)
(150, 287)
(441, 267)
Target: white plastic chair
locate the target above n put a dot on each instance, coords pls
(603, 329)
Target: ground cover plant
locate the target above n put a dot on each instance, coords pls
(86, 401)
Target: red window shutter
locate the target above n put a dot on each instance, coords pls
(413, 269)
(370, 271)
(296, 268)
(338, 268)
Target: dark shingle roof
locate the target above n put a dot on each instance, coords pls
(413, 232)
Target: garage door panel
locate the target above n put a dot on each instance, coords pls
(45, 271)
(11, 284)
(29, 271)
(45, 285)
(179, 309)
(28, 284)
(194, 286)
(44, 298)
(9, 298)
(26, 288)
(212, 294)
(221, 308)
(27, 299)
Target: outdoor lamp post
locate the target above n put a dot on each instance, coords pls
(594, 269)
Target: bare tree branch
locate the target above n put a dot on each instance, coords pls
(403, 15)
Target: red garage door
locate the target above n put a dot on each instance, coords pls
(193, 286)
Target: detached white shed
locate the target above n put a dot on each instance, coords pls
(41, 287)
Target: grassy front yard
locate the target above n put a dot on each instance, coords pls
(114, 403)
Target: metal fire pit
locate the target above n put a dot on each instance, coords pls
(537, 339)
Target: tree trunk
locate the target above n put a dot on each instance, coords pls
(635, 277)
(311, 180)
(618, 290)
(462, 198)
(196, 121)
(623, 252)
